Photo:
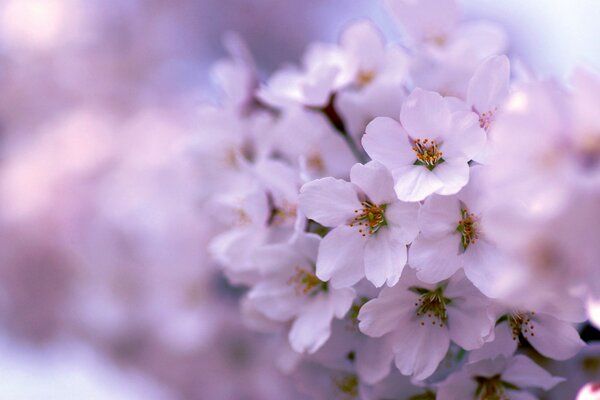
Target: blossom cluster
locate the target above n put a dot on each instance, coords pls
(414, 220)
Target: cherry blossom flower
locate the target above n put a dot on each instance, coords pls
(429, 150)
(371, 227)
(501, 378)
(549, 335)
(453, 236)
(290, 290)
(424, 318)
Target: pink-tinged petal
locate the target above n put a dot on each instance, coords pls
(381, 315)
(419, 349)
(425, 115)
(415, 182)
(481, 267)
(520, 395)
(374, 359)
(329, 201)
(276, 300)
(439, 216)
(523, 372)
(468, 319)
(385, 141)
(365, 44)
(554, 338)
(312, 328)
(335, 154)
(341, 301)
(375, 181)
(435, 259)
(402, 219)
(425, 19)
(385, 258)
(489, 85)
(306, 244)
(502, 345)
(277, 258)
(478, 40)
(467, 139)
(454, 175)
(457, 386)
(341, 257)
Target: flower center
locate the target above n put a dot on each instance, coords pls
(468, 228)
(486, 119)
(348, 384)
(428, 395)
(370, 218)
(428, 153)
(306, 282)
(365, 77)
(492, 388)
(520, 323)
(432, 304)
(315, 162)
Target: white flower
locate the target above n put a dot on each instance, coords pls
(452, 237)
(290, 291)
(488, 88)
(429, 153)
(422, 319)
(547, 334)
(501, 378)
(371, 227)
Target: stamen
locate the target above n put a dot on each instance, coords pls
(348, 385)
(432, 303)
(307, 282)
(492, 388)
(521, 323)
(315, 162)
(428, 153)
(365, 77)
(371, 218)
(468, 228)
(486, 119)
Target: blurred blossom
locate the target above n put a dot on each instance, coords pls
(369, 200)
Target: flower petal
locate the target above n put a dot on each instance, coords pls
(419, 349)
(554, 338)
(375, 181)
(365, 44)
(468, 319)
(467, 139)
(341, 257)
(374, 359)
(502, 345)
(312, 328)
(385, 258)
(454, 175)
(481, 267)
(489, 85)
(275, 299)
(439, 216)
(425, 115)
(435, 259)
(523, 372)
(402, 219)
(329, 201)
(387, 142)
(415, 182)
(382, 314)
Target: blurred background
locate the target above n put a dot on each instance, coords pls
(106, 289)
